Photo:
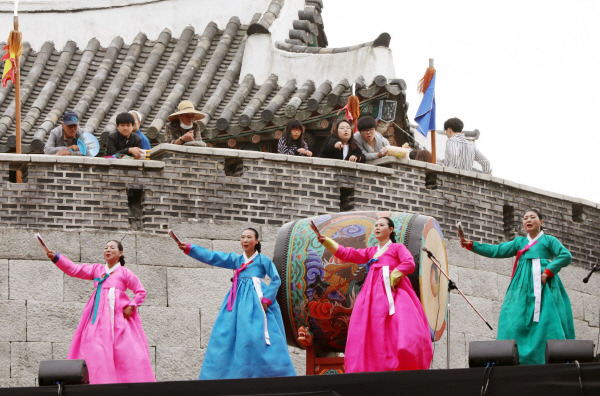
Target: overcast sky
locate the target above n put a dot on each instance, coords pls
(525, 73)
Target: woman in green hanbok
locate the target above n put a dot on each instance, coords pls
(536, 306)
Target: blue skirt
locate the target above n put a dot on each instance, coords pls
(237, 346)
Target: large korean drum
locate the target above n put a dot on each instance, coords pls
(318, 290)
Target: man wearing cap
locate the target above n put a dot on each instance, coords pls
(182, 129)
(63, 138)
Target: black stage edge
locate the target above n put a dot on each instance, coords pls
(555, 379)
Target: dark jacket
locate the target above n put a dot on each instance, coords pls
(117, 144)
(329, 151)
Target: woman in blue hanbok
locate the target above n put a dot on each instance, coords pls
(248, 338)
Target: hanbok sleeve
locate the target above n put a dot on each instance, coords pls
(270, 291)
(406, 263)
(139, 293)
(562, 256)
(81, 271)
(218, 259)
(351, 255)
(502, 250)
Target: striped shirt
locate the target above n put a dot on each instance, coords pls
(460, 154)
(292, 149)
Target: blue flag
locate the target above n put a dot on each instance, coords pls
(425, 117)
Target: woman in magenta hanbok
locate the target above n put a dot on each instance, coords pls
(388, 330)
(110, 336)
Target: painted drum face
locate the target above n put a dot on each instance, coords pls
(318, 290)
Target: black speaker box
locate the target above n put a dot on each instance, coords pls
(500, 353)
(65, 372)
(565, 351)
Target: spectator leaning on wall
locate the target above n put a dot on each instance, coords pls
(136, 128)
(182, 128)
(124, 141)
(460, 154)
(372, 143)
(63, 138)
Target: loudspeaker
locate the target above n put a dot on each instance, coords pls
(565, 351)
(499, 353)
(65, 372)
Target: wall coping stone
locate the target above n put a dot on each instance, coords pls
(54, 159)
(380, 165)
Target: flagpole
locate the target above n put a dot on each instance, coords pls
(433, 152)
(17, 96)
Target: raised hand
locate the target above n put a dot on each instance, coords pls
(466, 243)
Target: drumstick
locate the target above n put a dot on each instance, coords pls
(41, 241)
(461, 233)
(314, 228)
(172, 234)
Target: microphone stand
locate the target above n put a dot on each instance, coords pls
(452, 285)
(594, 269)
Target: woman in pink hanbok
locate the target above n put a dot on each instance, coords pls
(110, 336)
(388, 330)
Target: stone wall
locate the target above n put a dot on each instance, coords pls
(40, 306)
(208, 196)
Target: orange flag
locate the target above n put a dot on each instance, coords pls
(13, 50)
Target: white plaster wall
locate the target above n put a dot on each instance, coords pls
(261, 59)
(81, 25)
(65, 5)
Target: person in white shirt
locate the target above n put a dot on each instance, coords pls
(460, 153)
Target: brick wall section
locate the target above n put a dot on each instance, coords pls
(193, 183)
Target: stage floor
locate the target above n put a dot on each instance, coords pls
(556, 379)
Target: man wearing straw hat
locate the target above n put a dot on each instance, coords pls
(182, 128)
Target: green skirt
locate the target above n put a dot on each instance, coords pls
(516, 316)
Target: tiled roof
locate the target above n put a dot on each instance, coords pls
(152, 76)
